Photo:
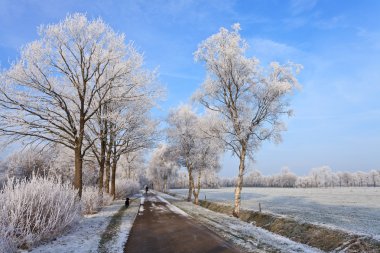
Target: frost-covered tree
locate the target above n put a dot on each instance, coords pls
(254, 179)
(133, 130)
(321, 176)
(133, 164)
(287, 178)
(250, 100)
(162, 166)
(196, 148)
(24, 163)
(124, 124)
(61, 81)
(182, 137)
(206, 155)
(374, 177)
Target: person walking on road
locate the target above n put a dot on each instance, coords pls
(146, 190)
(126, 202)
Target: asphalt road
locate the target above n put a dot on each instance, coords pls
(158, 229)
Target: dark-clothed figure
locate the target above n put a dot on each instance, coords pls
(146, 189)
(127, 202)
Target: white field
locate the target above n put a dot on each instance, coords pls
(352, 209)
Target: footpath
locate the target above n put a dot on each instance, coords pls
(163, 228)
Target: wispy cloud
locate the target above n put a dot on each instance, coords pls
(269, 50)
(300, 6)
(331, 23)
(182, 76)
(372, 37)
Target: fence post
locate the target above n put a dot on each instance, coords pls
(259, 207)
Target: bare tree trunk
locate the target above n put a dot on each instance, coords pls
(113, 179)
(115, 159)
(165, 184)
(103, 144)
(191, 183)
(108, 158)
(129, 171)
(108, 170)
(196, 193)
(78, 170)
(239, 183)
(79, 156)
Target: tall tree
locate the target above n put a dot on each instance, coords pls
(206, 156)
(132, 130)
(52, 92)
(124, 123)
(195, 147)
(162, 166)
(181, 135)
(248, 99)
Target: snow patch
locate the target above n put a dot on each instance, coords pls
(248, 236)
(116, 245)
(173, 208)
(141, 209)
(85, 237)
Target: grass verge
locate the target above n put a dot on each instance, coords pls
(324, 238)
(111, 230)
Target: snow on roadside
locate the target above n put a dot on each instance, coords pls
(116, 245)
(172, 208)
(246, 235)
(86, 236)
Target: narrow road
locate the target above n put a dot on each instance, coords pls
(163, 228)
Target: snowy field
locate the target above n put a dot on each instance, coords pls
(353, 209)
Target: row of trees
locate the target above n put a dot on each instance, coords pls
(58, 162)
(191, 146)
(318, 177)
(244, 104)
(82, 91)
(80, 87)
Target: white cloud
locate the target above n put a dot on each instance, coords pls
(300, 6)
(269, 50)
(372, 37)
(331, 23)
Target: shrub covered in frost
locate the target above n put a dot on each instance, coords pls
(35, 210)
(92, 201)
(126, 187)
(106, 199)
(7, 246)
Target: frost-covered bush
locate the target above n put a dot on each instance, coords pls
(25, 163)
(92, 201)
(126, 187)
(7, 246)
(106, 199)
(35, 210)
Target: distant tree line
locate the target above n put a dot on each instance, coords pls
(317, 177)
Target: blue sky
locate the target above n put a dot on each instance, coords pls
(337, 112)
